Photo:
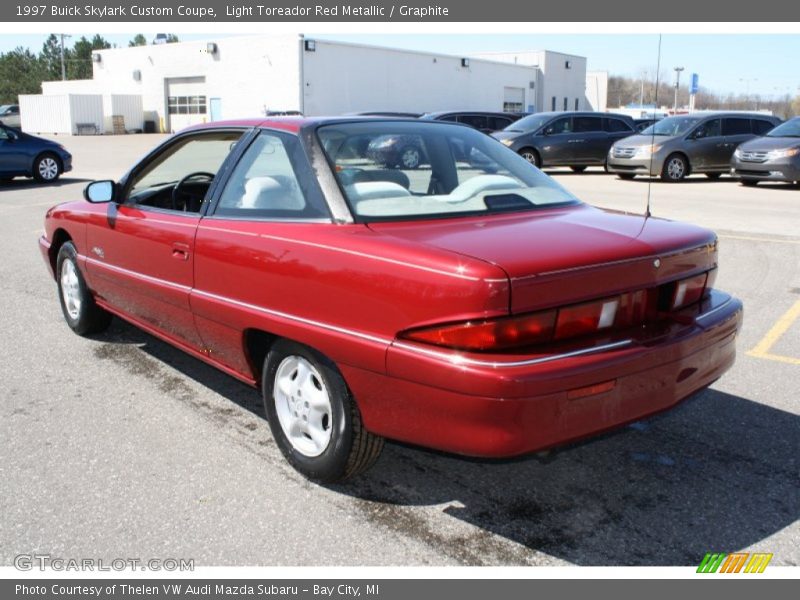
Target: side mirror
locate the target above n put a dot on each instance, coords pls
(98, 192)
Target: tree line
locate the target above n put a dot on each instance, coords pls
(22, 71)
(624, 90)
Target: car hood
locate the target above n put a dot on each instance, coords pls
(506, 135)
(765, 143)
(558, 246)
(635, 141)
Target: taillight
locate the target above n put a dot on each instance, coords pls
(596, 317)
(493, 334)
(688, 291)
(582, 319)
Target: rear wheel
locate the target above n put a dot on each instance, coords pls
(77, 303)
(531, 156)
(578, 169)
(675, 168)
(313, 417)
(46, 168)
(749, 182)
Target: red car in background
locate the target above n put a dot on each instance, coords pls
(471, 305)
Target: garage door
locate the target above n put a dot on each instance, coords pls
(186, 102)
(513, 99)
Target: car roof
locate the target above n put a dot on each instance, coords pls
(296, 124)
(723, 113)
(486, 113)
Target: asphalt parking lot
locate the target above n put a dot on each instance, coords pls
(121, 446)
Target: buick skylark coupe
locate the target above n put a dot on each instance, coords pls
(470, 304)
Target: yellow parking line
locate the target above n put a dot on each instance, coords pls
(757, 239)
(773, 335)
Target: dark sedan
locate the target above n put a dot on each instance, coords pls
(24, 155)
(773, 157)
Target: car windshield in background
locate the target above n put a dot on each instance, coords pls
(671, 126)
(789, 129)
(529, 123)
(400, 170)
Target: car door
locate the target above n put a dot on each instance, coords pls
(249, 247)
(705, 145)
(556, 142)
(589, 144)
(141, 252)
(14, 159)
(736, 130)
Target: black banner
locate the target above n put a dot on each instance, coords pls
(389, 11)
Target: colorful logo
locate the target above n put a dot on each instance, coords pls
(738, 562)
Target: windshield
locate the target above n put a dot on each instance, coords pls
(400, 170)
(529, 123)
(789, 129)
(671, 126)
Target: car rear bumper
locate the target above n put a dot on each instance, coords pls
(511, 408)
(766, 171)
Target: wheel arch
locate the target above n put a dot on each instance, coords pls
(256, 344)
(60, 237)
(684, 156)
(45, 152)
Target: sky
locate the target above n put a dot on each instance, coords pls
(754, 64)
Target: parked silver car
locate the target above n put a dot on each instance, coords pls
(9, 115)
(774, 157)
(678, 146)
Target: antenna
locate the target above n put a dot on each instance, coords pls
(647, 212)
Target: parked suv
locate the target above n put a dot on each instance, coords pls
(774, 157)
(678, 146)
(566, 139)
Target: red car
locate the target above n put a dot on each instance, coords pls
(474, 306)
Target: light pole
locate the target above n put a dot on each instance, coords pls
(63, 66)
(677, 85)
(747, 82)
(641, 91)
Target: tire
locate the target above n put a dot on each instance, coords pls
(46, 168)
(627, 176)
(532, 156)
(5, 180)
(410, 157)
(749, 182)
(341, 447)
(675, 169)
(578, 169)
(80, 311)
(713, 175)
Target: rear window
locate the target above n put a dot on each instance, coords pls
(760, 126)
(401, 170)
(617, 125)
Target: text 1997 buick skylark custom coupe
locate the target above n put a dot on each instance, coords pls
(470, 305)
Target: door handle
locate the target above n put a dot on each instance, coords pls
(180, 251)
(575, 141)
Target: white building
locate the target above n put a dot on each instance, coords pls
(236, 77)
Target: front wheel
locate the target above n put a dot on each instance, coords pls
(47, 168)
(80, 310)
(410, 157)
(675, 169)
(313, 417)
(531, 156)
(625, 176)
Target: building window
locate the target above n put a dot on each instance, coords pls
(186, 105)
(576, 104)
(554, 103)
(565, 102)
(509, 106)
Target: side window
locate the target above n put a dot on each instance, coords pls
(562, 125)
(712, 128)
(269, 183)
(760, 127)
(449, 118)
(3, 134)
(476, 121)
(498, 123)
(587, 124)
(180, 176)
(735, 126)
(616, 125)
